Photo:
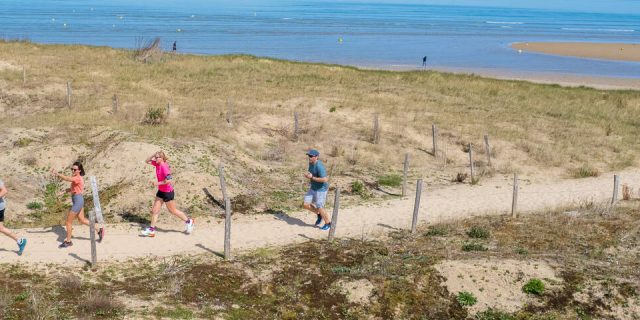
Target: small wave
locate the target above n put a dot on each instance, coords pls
(504, 22)
(506, 27)
(606, 30)
(287, 18)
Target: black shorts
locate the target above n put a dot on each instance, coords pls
(2, 215)
(165, 196)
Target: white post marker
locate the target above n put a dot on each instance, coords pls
(95, 214)
(96, 199)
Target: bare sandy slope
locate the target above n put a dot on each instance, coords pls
(610, 51)
(249, 232)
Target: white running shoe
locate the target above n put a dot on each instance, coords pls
(189, 226)
(147, 232)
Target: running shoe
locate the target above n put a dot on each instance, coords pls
(318, 221)
(65, 244)
(189, 226)
(100, 234)
(148, 232)
(22, 242)
(327, 226)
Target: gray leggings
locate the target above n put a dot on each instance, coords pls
(78, 203)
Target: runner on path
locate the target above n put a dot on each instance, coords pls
(77, 202)
(164, 195)
(315, 198)
(22, 242)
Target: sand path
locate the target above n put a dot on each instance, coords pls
(439, 203)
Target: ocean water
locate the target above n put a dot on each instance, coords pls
(391, 36)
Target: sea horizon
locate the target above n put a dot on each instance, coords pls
(370, 35)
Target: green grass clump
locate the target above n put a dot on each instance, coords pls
(477, 232)
(437, 231)
(492, 314)
(390, 180)
(466, 298)
(534, 286)
(585, 172)
(357, 187)
(473, 247)
(34, 205)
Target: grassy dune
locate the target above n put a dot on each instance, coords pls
(534, 128)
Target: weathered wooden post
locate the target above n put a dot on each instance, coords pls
(334, 215)
(471, 162)
(295, 125)
(487, 148)
(93, 214)
(434, 131)
(114, 103)
(514, 202)
(376, 129)
(416, 206)
(404, 174)
(227, 215)
(168, 108)
(616, 184)
(229, 112)
(69, 94)
(24, 75)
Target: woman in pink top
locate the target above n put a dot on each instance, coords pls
(164, 195)
(77, 200)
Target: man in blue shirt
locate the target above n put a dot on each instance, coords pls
(315, 198)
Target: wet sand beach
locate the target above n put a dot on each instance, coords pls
(609, 51)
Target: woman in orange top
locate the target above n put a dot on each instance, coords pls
(77, 208)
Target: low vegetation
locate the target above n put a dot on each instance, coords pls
(394, 278)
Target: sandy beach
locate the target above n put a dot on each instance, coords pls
(609, 51)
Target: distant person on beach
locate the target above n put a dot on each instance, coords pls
(424, 62)
(21, 242)
(164, 195)
(315, 198)
(77, 202)
(174, 46)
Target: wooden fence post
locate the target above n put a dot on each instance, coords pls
(229, 112)
(94, 215)
(404, 174)
(69, 94)
(168, 108)
(295, 126)
(227, 215)
(487, 148)
(334, 215)
(114, 103)
(471, 162)
(434, 131)
(376, 129)
(616, 184)
(514, 202)
(416, 206)
(24, 75)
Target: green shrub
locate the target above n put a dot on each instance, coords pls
(34, 205)
(436, 231)
(492, 314)
(466, 298)
(357, 187)
(22, 142)
(585, 172)
(154, 116)
(473, 247)
(534, 286)
(332, 109)
(522, 251)
(390, 180)
(478, 232)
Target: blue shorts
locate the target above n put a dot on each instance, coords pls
(315, 198)
(77, 203)
(2, 215)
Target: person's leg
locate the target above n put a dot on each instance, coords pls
(70, 216)
(171, 206)
(319, 201)
(82, 218)
(155, 211)
(307, 203)
(7, 232)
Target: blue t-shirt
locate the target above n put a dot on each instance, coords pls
(318, 171)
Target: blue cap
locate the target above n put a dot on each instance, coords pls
(313, 153)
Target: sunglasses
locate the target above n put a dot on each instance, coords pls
(75, 169)
(310, 156)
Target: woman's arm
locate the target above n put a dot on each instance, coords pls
(150, 158)
(3, 191)
(60, 176)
